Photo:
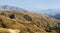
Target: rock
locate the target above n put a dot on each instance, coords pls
(12, 16)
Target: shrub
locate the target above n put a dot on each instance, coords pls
(2, 24)
(28, 18)
(2, 13)
(48, 30)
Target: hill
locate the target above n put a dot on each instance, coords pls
(28, 22)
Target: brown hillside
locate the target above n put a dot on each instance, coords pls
(28, 22)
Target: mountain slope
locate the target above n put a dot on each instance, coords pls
(28, 22)
(57, 16)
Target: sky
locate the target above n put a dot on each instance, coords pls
(33, 4)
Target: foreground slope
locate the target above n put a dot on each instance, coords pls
(28, 22)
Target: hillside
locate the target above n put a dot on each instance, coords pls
(28, 22)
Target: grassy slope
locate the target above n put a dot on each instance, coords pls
(37, 24)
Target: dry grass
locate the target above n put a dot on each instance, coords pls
(33, 23)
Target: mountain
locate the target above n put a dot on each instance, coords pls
(57, 16)
(54, 13)
(7, 7)
(28, 22)
(49, 11)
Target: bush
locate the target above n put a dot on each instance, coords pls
(57, 28)
(48, 30)
(2, 24)
(2, 13)
(28, 18)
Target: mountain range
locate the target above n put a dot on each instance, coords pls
(54, 13)
(43, 11)
(7, 7)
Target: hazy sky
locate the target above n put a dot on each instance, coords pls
(32, 4)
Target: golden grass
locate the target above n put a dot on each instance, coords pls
(37, 25)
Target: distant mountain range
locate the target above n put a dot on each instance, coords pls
(50, 11)
(7, 7)
(57, 16)
(54, 13)
(43, 11)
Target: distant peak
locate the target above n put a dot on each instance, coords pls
(8, 7)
